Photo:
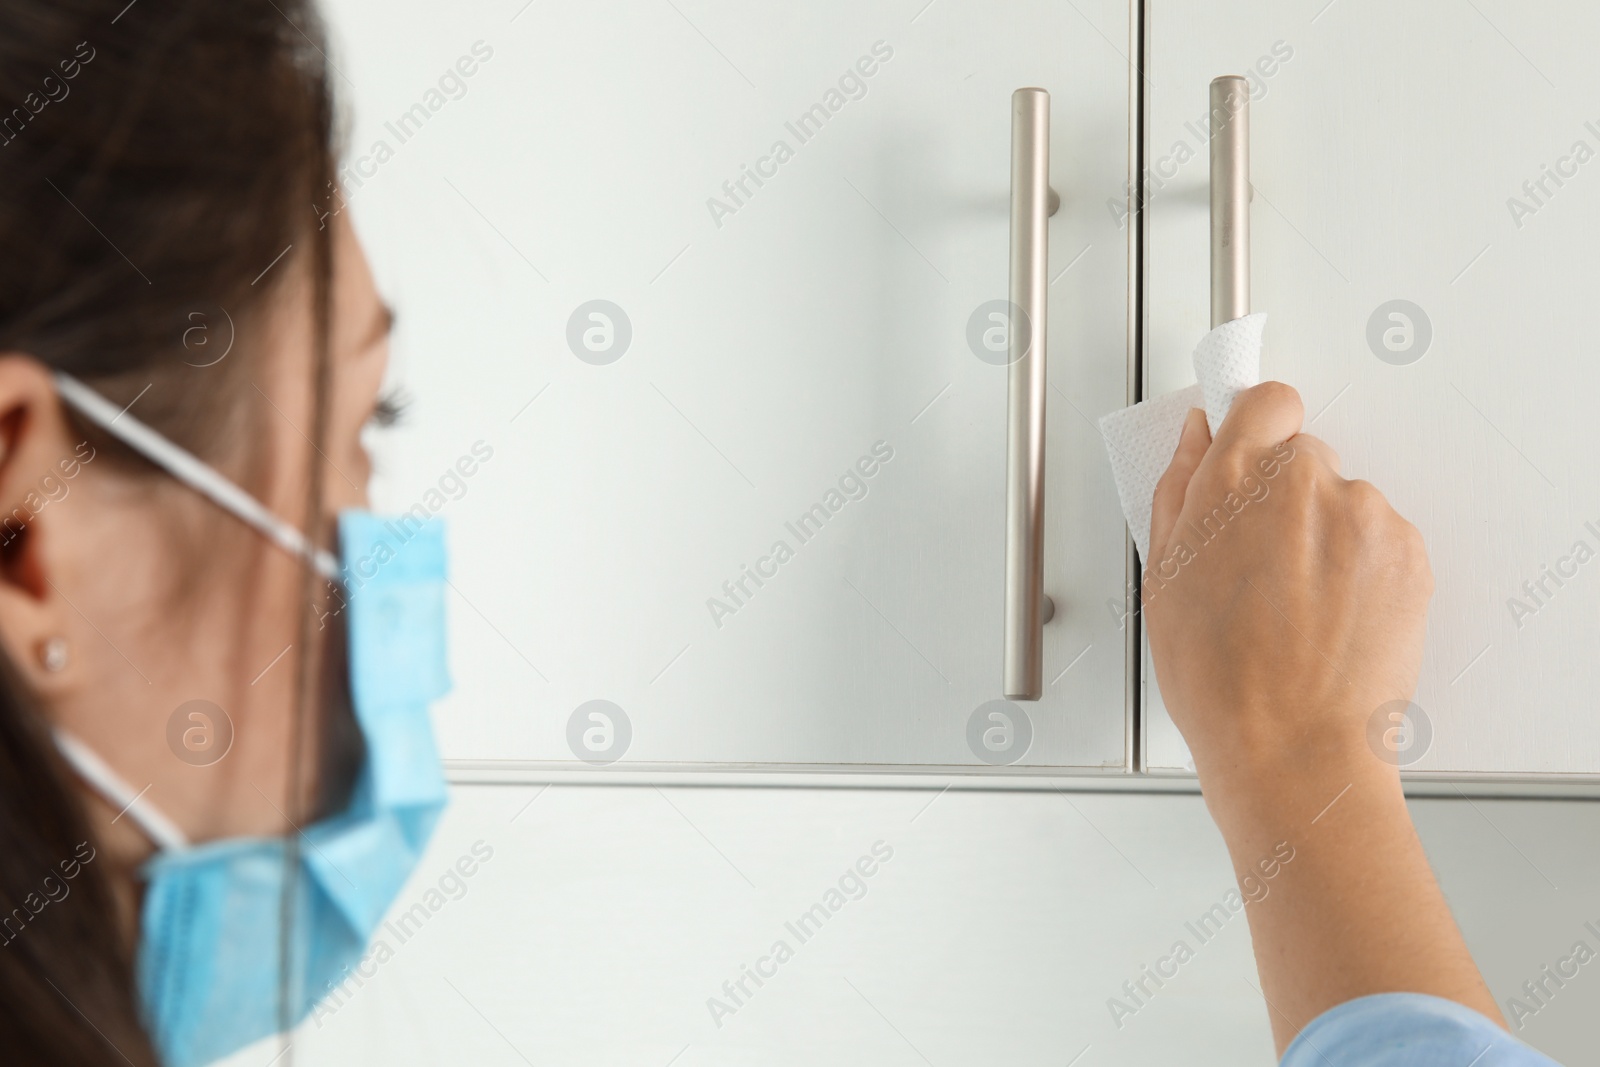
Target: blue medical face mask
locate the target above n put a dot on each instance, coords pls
(209, 954)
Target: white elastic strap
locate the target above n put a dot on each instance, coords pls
(191, 471)
(120, 795)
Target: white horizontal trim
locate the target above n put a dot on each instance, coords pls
(989, 779)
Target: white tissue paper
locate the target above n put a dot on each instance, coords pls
(1142, 439)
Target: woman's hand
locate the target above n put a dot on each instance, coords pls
(1286, 605)
(1286, 608)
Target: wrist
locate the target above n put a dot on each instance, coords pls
(1259, 791)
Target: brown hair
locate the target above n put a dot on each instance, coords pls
(156, 159)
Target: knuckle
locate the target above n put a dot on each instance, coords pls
(1317, 447)
(1393, 544)
(1366, 501)
(1276, 394)
(1304, 474)
(1414, 554)
(1231, 464)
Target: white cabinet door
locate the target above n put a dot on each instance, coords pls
(1425, 212)
(687, 286)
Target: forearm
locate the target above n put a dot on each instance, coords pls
(1358, 910)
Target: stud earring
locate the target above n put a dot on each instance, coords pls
(53, 654)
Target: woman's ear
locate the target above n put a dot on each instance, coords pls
(42, 460)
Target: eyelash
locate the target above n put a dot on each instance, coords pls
(390, 409)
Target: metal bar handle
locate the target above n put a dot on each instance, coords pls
(1027, 609)
(1230, 199)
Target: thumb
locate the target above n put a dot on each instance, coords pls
(1168, 502)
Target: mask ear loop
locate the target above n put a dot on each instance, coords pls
(119, 794)
(193, 472)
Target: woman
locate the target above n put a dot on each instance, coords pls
(167, 266)
(190, 347)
